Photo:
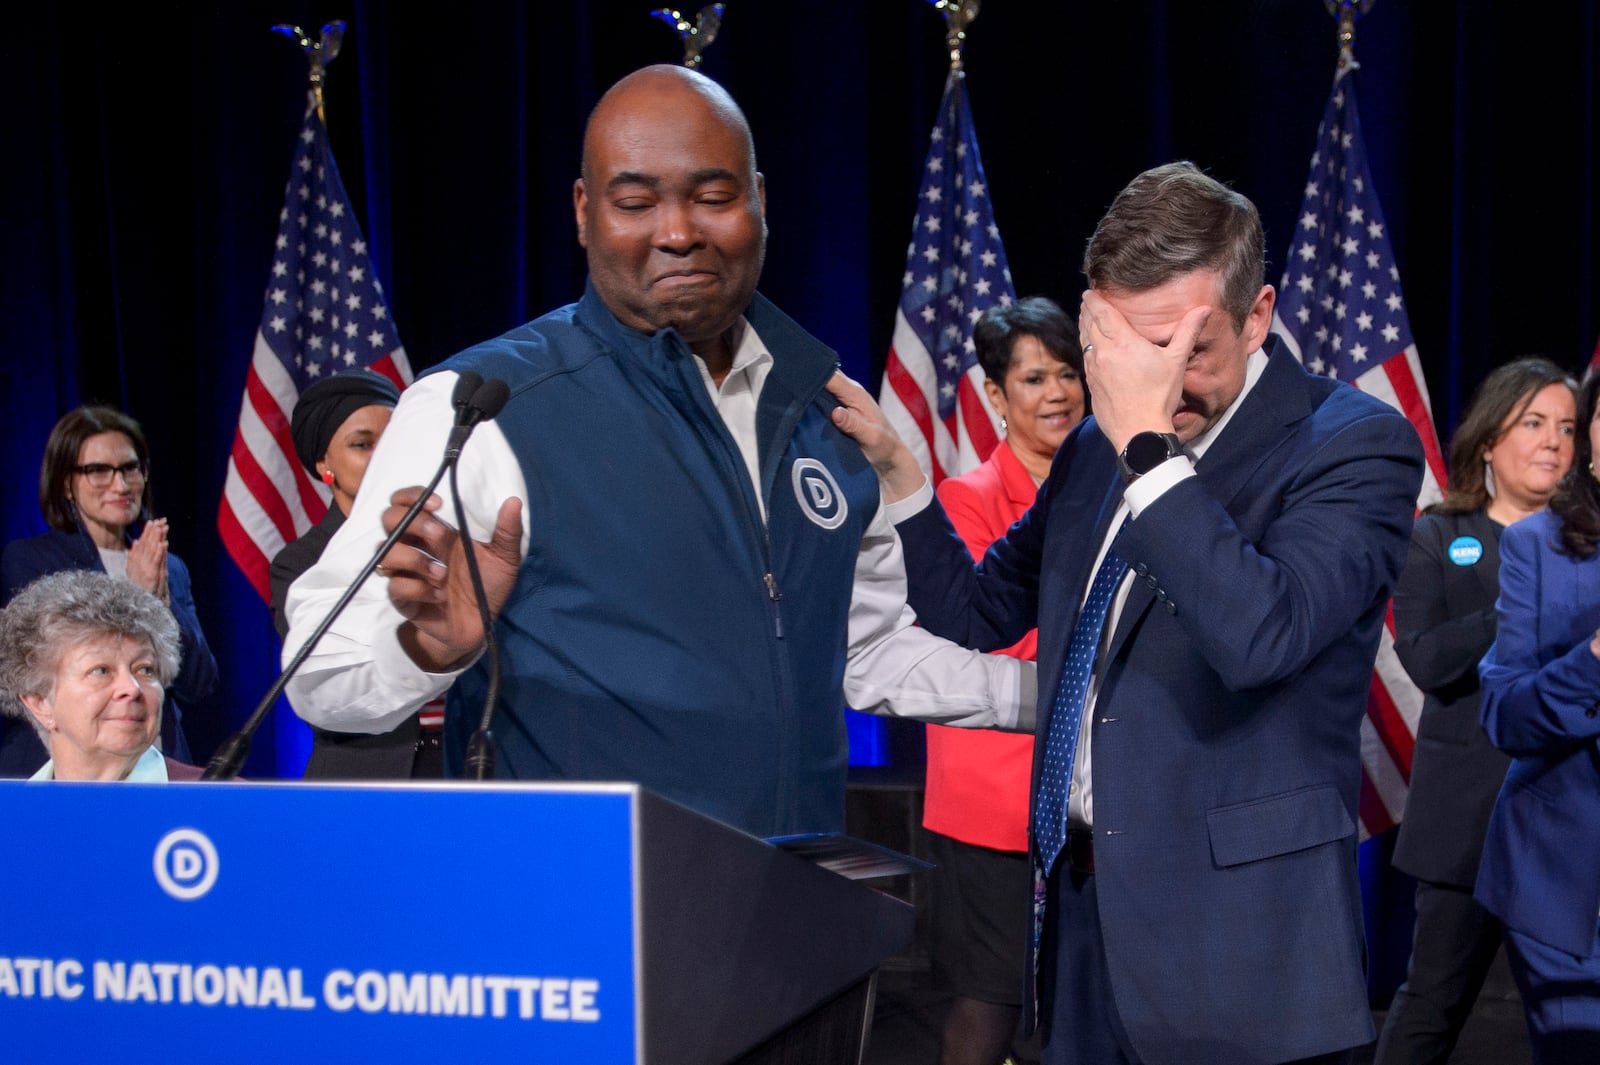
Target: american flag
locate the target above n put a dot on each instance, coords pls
(324, 312)
(955, 270)
(1340, 311)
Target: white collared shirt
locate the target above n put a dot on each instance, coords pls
(360, 679)
(735, 399)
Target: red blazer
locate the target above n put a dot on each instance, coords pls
(977, 779)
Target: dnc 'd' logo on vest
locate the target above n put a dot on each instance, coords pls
(818, 494)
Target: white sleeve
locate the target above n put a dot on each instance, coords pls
(894, 668)
(1155, 484)
(358, 678)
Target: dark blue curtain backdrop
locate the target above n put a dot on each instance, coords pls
(149, 153)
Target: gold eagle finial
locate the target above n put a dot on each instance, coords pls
(698, 35)
(1346, 12)
(958, 15)
(319, 53)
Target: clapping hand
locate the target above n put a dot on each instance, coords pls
(147, 559)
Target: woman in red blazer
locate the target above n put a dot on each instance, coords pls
(975, 804)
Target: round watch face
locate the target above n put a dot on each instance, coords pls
(1146, 451)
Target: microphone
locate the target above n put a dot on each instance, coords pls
(479, 764)
(467, 386)
(470, 398)
(467, 382)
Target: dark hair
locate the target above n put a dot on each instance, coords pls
(1172, 220)
(1037, 316)
(61, 458)
(1577, 498)
(1504, 395)
(322, 409)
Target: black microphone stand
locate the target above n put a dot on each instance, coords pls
(479, 762)
(224, 765)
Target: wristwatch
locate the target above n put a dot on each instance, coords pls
(1146, 451)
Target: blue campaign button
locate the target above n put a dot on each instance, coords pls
(1466, 550)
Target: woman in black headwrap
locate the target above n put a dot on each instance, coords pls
(335, 426)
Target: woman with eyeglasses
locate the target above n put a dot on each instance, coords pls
(94, 492)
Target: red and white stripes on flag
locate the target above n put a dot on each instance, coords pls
(932, 389)
(1340, 311)
(324, 312)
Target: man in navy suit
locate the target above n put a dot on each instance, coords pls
(1205, 906)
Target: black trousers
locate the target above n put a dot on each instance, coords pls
(1452, 950)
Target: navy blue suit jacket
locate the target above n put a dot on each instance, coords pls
(1226, 742)
(1540, 872)
(51, 552)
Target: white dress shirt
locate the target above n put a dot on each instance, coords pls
(1138, 495)
(359, 679)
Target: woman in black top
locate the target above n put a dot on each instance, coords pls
(1512, 447)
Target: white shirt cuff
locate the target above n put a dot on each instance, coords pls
(911, 505)
(1153, 485)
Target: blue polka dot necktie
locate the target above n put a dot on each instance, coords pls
(1061, 731)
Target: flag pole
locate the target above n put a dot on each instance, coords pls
(958, 15)
(1341, 312)
(932, 390)
(319, 54)
(324, 311)
(1346, 12)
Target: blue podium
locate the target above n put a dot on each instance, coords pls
(289, 922)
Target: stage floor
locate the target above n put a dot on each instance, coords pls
(906, 1026)
(885, 806)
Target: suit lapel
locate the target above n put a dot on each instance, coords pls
(1015, 479)
(82, 547)
(1487, 571)
(1067, 499)
(1140, 594)
(1256, 430)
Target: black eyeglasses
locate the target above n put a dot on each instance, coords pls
(100, 474)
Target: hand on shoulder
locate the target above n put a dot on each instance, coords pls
(859, 417)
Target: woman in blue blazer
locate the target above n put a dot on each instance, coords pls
(94, 491)
(1540, 872)
(1508, 455)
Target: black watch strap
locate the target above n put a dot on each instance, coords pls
(1145, 451)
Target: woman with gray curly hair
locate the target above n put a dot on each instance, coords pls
(86, 658)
